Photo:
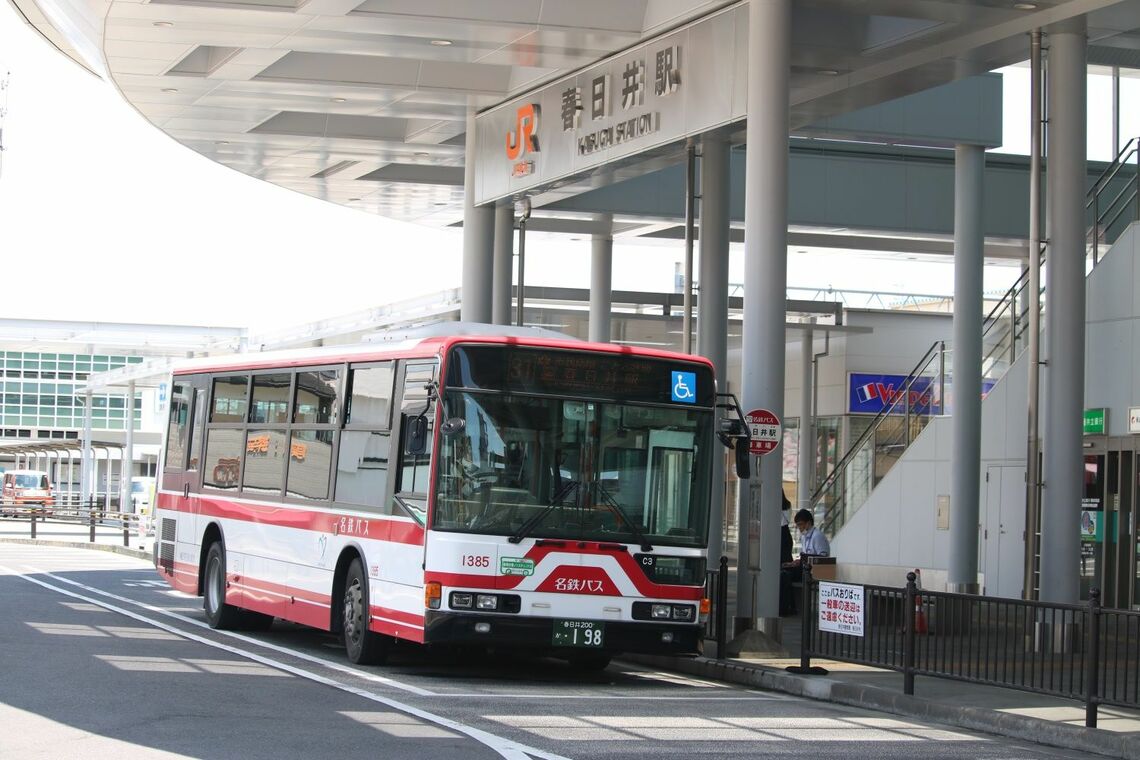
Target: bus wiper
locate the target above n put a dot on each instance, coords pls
(557, 500)
(611, 502)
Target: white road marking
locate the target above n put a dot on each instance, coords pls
(500, 745)
(244, 639)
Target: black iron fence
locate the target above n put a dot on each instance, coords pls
(91, 513)
(1082, 652)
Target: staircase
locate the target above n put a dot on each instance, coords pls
(1113, 202)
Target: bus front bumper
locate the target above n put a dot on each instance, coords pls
(514, 631)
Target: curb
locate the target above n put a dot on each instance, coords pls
(1035, 730)
(114, 549)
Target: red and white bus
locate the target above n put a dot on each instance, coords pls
(508, 491)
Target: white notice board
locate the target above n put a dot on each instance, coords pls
(841, 608)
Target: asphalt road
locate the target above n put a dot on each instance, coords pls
(100, 659)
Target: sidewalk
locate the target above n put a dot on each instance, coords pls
(1028, 716)
(57, 533)
(1022, 715)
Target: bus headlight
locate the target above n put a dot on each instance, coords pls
(460, 601)
(682, 612)
(661, 611)
(486, 602)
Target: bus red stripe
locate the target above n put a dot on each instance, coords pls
(277, 515)
(493, 582)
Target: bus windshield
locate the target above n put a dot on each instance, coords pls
(574, 469)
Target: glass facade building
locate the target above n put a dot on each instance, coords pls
(42, 395)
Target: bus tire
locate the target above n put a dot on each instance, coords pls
(219, 615)
(363, 646)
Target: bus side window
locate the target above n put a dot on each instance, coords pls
(364, 452)
(178, 427)
(198, 426)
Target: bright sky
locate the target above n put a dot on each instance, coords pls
(107, 218)
(103, 217)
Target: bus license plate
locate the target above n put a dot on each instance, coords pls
(577, 633)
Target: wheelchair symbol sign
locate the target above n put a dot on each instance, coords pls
(684, 387)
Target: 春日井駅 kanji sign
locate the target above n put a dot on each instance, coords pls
(637, 100)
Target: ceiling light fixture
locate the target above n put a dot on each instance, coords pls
(422, 154)
(338, 100)
(441, 43)
(1025, 6)
(170, 89)
(163, 23)
(221, 142)
(828, 72)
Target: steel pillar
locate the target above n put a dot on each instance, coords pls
(966, 446)
(478, 240)
(601, 279)
(712, 303)
(1065, 318)
(765, 294)
(503, 265)
(807, 422)
(1033, 313)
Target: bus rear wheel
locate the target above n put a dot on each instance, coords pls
(218, 614)
(363, 646)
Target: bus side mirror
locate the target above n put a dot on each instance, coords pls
(415, 441)
(743, 470)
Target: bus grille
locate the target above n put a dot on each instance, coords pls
(166, 546)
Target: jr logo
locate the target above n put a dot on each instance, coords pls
(524, 138)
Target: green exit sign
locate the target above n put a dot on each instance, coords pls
(1096, 421)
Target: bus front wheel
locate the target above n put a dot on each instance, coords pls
(363, 646)
(218, 614)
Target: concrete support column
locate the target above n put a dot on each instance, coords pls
(601, 279)
(503, 266)
(807, 424)
(712, 303)
(86, 464)
(966, 447)
(127, 468)
(765, 294)
(1063, 469)
(478, 240)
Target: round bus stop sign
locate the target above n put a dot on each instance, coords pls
(764, 430)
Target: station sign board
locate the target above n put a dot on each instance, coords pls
(764, 431)
(656, 93)
(1095, 422)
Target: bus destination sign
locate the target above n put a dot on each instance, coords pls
(573, 373)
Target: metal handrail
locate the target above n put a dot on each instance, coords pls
(1115, 207)
(1112, 169)
(936, 351)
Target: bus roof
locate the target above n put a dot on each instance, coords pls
(433, 341)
